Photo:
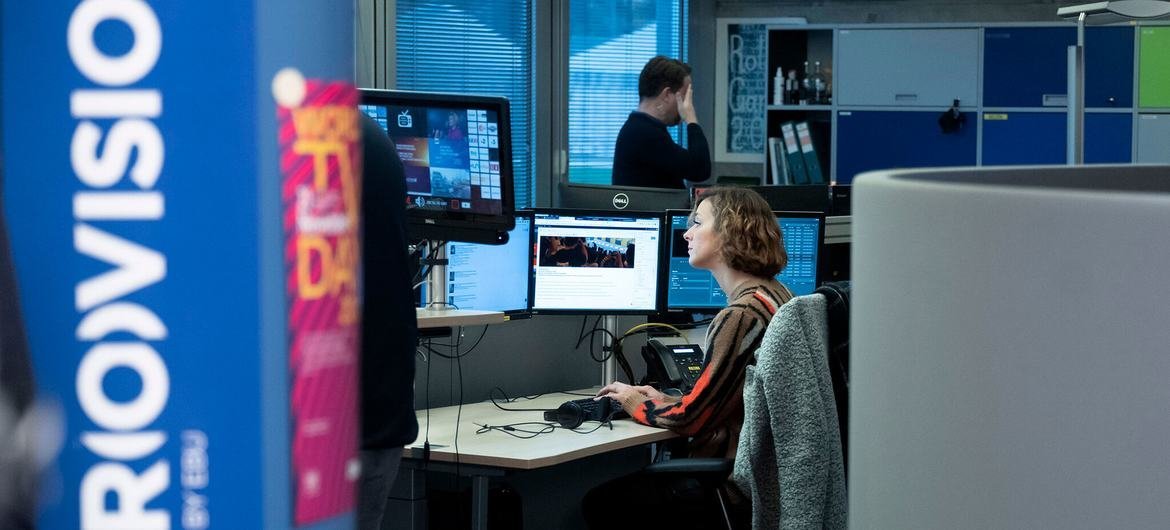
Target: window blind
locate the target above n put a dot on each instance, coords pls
(609, 43)
(474, 47)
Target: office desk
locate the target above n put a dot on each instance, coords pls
(443, 318)
(496, 453)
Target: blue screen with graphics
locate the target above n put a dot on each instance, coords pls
(688, 288)
(451, 154)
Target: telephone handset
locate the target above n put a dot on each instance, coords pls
(672, 365)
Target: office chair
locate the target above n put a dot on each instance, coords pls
(837, 315)
(790, 455)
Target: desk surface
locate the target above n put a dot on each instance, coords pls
(440, 318)
(499, 449)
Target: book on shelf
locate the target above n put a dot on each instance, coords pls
(778, 159)
(792, 155)
(808, 152)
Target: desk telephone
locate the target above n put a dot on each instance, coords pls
(672, 365)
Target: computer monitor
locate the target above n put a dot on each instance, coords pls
(490, 277)
(590, 262)
(797, 198)
(695, 290)
(622, 198)
(841, 200)
(457, 153)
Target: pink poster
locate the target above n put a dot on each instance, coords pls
(321, 164)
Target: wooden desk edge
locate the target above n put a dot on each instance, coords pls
(415, 452)
(438, 318)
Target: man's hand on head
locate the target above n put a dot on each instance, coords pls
(686, 105)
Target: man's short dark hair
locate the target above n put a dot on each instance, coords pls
(662, 72)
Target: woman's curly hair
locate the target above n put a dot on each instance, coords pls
(747, 227)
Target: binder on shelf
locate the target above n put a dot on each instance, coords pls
(812, 164)
(778, 159)
(792, 154)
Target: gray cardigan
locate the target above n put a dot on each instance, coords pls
(789, 455)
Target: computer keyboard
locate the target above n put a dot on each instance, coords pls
(601, 409)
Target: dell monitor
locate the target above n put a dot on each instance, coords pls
(606, 197)
(592, 262)
(457, 155)
(695, 290)
(490, 277)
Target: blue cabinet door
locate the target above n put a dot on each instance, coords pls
(1109, 68)
(1025, 138)
(1028, 67)
(1021, 66)
(868, 140)
(1108, 138)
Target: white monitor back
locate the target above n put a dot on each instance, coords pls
(1011, 348)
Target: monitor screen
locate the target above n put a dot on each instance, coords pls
(595, 262)
(490, 277)
(691, 289)
(457, 155)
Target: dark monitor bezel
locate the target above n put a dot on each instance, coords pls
(797, 197)
(667, 239)
(534, 258)
(526, 312)
(604, 197)
(453, 225)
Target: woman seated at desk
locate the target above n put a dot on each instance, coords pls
(733, 234)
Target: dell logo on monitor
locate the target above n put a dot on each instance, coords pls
(620, 201)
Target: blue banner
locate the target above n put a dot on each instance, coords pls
(142, 188)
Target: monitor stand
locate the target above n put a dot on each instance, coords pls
(609, 367)
(436, 313)
(437, 280)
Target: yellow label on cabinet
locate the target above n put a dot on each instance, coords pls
(995, 117)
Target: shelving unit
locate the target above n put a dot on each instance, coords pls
(891, 83)
(788, 50)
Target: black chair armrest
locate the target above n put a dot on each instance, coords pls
(687, 477)
(701, 468)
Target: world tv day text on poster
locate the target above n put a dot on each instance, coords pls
(320, 160)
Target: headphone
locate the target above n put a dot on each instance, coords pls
(569, 415)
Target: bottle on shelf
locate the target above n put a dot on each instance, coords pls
(828, 75)
(792, 88)
(806, 89)
(818, 85)
(779, 89)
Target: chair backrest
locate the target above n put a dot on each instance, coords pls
(837, 314)
(789, 455)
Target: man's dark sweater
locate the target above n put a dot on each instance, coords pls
(647, 156)
(389, 329)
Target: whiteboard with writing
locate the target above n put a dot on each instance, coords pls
(741, 87)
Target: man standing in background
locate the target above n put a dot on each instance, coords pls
(389, 325)
(645, 154)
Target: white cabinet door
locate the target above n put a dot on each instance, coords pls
(1153, 143)
(907, 67)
